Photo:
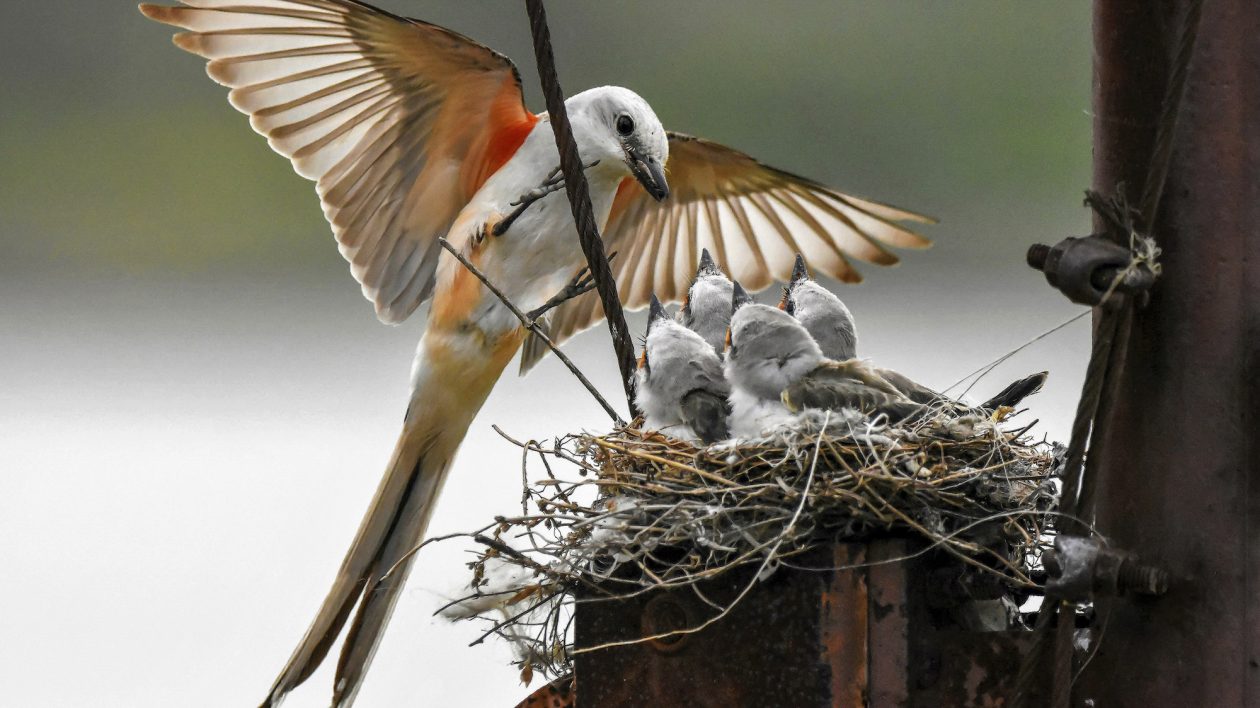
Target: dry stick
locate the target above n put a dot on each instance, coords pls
(671, 463)
(532, 326)
(580, 199)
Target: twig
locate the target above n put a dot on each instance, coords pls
(581, 284)
(534, 327)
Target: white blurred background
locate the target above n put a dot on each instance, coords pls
(196, 403)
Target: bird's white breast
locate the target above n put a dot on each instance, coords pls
(540, 251)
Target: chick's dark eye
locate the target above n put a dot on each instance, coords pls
(625, 124)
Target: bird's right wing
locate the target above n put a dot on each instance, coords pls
(398, 121)
(753, 218)
(848, 384)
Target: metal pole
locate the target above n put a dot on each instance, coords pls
(1179, 483)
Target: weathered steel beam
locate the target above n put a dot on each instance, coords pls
(1177, 453)
(871, 629)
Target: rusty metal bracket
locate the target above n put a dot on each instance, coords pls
(1083, 268)
(1079, 569)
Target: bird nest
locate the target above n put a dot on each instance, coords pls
(647, 513)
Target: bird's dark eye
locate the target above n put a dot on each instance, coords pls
(625, 124)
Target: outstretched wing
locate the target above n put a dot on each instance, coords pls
(753, 218)
(398, 122)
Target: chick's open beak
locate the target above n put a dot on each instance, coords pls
(649, 171)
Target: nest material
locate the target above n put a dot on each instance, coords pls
(648, 512)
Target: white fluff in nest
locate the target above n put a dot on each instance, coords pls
(796, 428)
(504, 582)
(503, 579)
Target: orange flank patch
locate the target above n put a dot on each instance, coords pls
(453, 305)
(506, 128)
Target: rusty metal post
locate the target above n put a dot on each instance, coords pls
(1180, 482)
(869, 629)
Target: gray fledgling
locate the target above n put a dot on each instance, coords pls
(776, 369)
(821, 312)
(707, 308)
(679, 384)
(829, 322)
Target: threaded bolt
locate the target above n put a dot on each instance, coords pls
(1037, 255)
(1141, 579)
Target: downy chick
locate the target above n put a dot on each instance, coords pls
(679, 384)
(821, 312)
(706, 310)
(776, 369)
(830, 323)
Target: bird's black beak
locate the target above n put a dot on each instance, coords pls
(739, 297)
(656, 311)
(786, 303)
(799, 271)
(707, 266)
(650, 173)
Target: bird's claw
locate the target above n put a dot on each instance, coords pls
(553, 182)
(580, 284)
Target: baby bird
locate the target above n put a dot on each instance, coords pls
(776, 369)
(706, 310)
(679, 384)
(830, 323)
(821, 312)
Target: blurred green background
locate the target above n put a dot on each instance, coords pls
(120, 160)
(196, 402)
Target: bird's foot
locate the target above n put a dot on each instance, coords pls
(488, 228)
(581, 284)
(553, 182)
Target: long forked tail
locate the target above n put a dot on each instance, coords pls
(446, 396)
(395, 520)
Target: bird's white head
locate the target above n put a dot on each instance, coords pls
(617, 127)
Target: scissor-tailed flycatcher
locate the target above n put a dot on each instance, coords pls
(776, 369)
(679, 384)
(412, 133)
(706, 308)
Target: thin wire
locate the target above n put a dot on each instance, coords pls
(580, 200)
(984, 370)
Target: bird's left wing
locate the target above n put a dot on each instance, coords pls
(753, 218)
(398, 121)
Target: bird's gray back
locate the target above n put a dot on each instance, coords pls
(827, 319)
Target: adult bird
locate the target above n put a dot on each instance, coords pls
(413, 133)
